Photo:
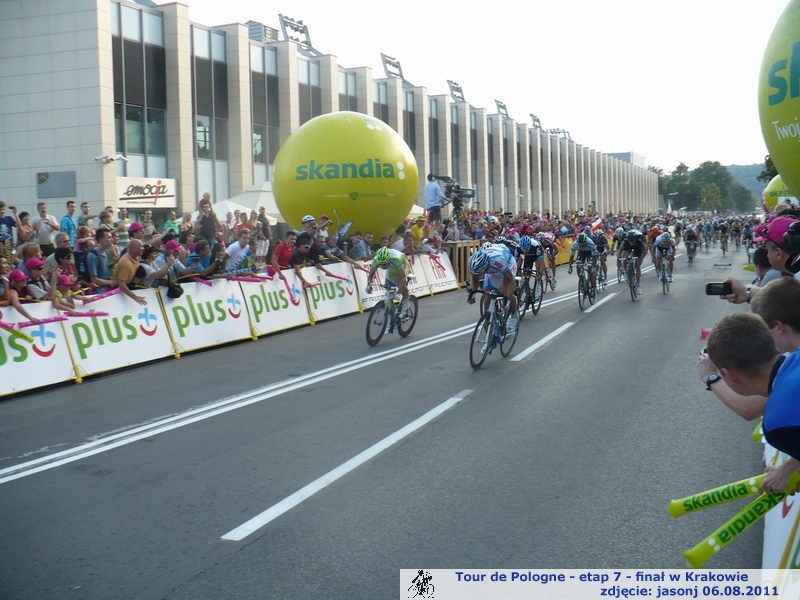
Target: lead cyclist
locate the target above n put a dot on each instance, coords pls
(397, 269)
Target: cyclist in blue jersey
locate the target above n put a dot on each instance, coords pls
(586, 250)
(499, 269)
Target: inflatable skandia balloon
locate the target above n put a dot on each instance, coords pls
(779, 95)
(777, 194)
(349, 166)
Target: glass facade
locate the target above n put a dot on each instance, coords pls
(433, 134)
(409, 121)
(309, 90)
(380, 104)
(210, 107)
(264, 88)
(348, 95)
(139, 64)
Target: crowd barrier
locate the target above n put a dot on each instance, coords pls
(113, 331)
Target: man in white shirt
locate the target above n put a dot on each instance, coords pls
(44, 229)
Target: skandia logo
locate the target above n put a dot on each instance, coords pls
(372, 168)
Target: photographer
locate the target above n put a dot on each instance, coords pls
(434, 199)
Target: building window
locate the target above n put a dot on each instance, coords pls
(410, 122)
(455, 143)
(202, 136)
(131, 23)
(348, 96)
(433, 133)
(310, 92)
(380, 104)
(264, 89)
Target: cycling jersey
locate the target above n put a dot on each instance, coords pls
(601, 242)
(588, 247)
(500, 262)
(398, 263)
(636, 248)
(512, 246)
(663, 246)
(534, 253)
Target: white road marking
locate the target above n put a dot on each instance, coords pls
(531, 349)
(603, 301)
(288, 503)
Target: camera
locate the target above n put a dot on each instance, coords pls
(718, 289)
(454, 192)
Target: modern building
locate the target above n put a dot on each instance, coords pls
(129, 103)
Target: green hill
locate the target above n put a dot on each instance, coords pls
(746, 176)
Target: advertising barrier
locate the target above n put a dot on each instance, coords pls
(208, 313)
(128, 334)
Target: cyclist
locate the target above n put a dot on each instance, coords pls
(548, 243)
(652, 234)
(690, 237)
(723, 231)
(397, 268)
(634, 247)
(586, 250)
(499, 269)
(708, 232)
(531, 253)
(601, 241)
(664, 246)
(617, 239)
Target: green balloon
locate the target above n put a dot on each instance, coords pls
(779, 95)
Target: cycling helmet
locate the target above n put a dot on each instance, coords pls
(525, 242)
(631, 235)
(599, 233)
(479, 262)
(665, 237)
(581, 239)
(382, 256)
(541, 236)
(485, 245)
(620, 231)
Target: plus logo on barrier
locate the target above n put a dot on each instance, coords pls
(234, 306)
(43, 336)
(147, 316)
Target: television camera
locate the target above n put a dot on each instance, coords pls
(454, 192)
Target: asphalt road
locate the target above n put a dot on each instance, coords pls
(361, 461)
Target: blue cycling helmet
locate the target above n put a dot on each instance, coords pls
(581, 239)
(665, 237)
(620, 231)
(479, 262)
(525, 242)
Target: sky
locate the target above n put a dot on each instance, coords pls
(673, 81)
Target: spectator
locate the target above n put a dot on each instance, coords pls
(84, 219)
(434, 199)
(106, 220)
(69, 223)
(324, 221)
(741, 347)
(38, 287)
(170, 256)
(126, 268)
(64, 295)
(170, 224)
(7, 225)
(121, 226)
(201, 262)
(64, 263)
(765, 272)
(186, 223)
(17, 282)
(310, 229)
(237, 250)
(299, 258)
(359, 247)
(334, 253)
(25, 252)
(25, 231)
(147, 275)
(229, 228)
(44, 228)
(148, 225)
(283, 253)
(207, 224)
(98, 263)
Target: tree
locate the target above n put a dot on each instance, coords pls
(769, 170)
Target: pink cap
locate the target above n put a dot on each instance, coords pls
(16, 275)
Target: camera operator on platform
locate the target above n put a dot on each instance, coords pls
(434, 199)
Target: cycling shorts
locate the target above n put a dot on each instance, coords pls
(493, 281)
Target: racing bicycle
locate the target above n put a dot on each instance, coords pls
(388, 314)
(663, 272)
(630, 275)
(586, 291)
(527, 296)
(490, 330)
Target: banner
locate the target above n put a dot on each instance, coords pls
(25, 364)
(439, 272)
(418, 287)
(330, 297)
(275, 305)
(207, 315)
(127, 335)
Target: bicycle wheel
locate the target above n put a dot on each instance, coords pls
(481, 342)
(724, 247)
(524, 299)
(620, 272)
(538, 294)
(376, 323)
(508, 340)
(631, 275)
(551, 275)
(408, 318)
(581, 290)
(591, 291)
(664, 280)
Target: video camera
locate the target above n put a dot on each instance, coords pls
(454, 192)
